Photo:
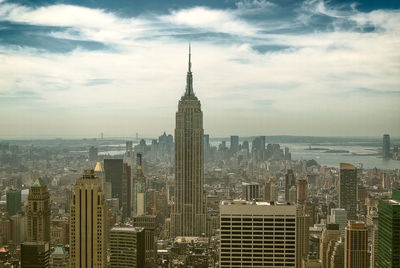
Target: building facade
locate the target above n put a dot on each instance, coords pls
(127, 247)
(38, 212)
(257, 234)
(88, 223)
(389, 232)
(139, 189)
(356, 246)
(114, 175)
(149, 225)
(13, 197)
(386, 146)
(348, 190)
(250, 191)
(35, 254)
(290, 180)
(188, 216)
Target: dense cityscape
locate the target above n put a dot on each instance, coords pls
(191, 200)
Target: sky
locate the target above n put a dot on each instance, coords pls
(278, 67)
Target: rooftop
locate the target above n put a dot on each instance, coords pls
(39, 182)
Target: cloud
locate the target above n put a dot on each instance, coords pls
(384, 20)
(210, 19)
(272, 74)
(375, 92)
(91, 24)
(255, 4)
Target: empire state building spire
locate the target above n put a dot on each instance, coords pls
(189, 78)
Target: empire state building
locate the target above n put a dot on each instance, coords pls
(188, 217)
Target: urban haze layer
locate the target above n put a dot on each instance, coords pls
(192, 198)
(191, 201)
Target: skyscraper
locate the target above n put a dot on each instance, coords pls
(13, 201)
(129, 147)
(270, 191)
(258, 148)
(126, 190)
(337, 258)
(301, 190)
(35, 254)
(386, 146)
(113, 174)
(257, 234)
(188, 217)
(303, 222)
(389, 232)
(148, 222)
(356, 246)
(290, 180)
(330, 233)
(348, 190)
(339, 216)
(127, 247)
(139, 189)
(88, 223)
(234, 144)
(250, 191)
(38, 212)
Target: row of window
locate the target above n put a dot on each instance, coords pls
(277, 255)
(261, 245)
(255, 250)
(260, 219)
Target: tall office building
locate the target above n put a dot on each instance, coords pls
(245, 146)
(129, 147)
(330, 234)
(188, 216)
(290, 180)
(148, 223)
(303, 223)
(18, 225)
(348, 190)
(356, 246)
(389, 231)
(38, 212)
(127, 247)
(139, 189)
(270, 191)
(113, 174)
(234, 144)
(301, 190)
(339, 216)
(386, 146)
(99, 172)
(88, 223)
(337, 258)
(126, 190)
(250, 191)
(258, 148)
(257, 234)
(35, 254)
(13, 201)
(293, 195)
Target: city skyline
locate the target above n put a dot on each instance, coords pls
(261, 67)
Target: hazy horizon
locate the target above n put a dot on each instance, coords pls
(298, 68)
